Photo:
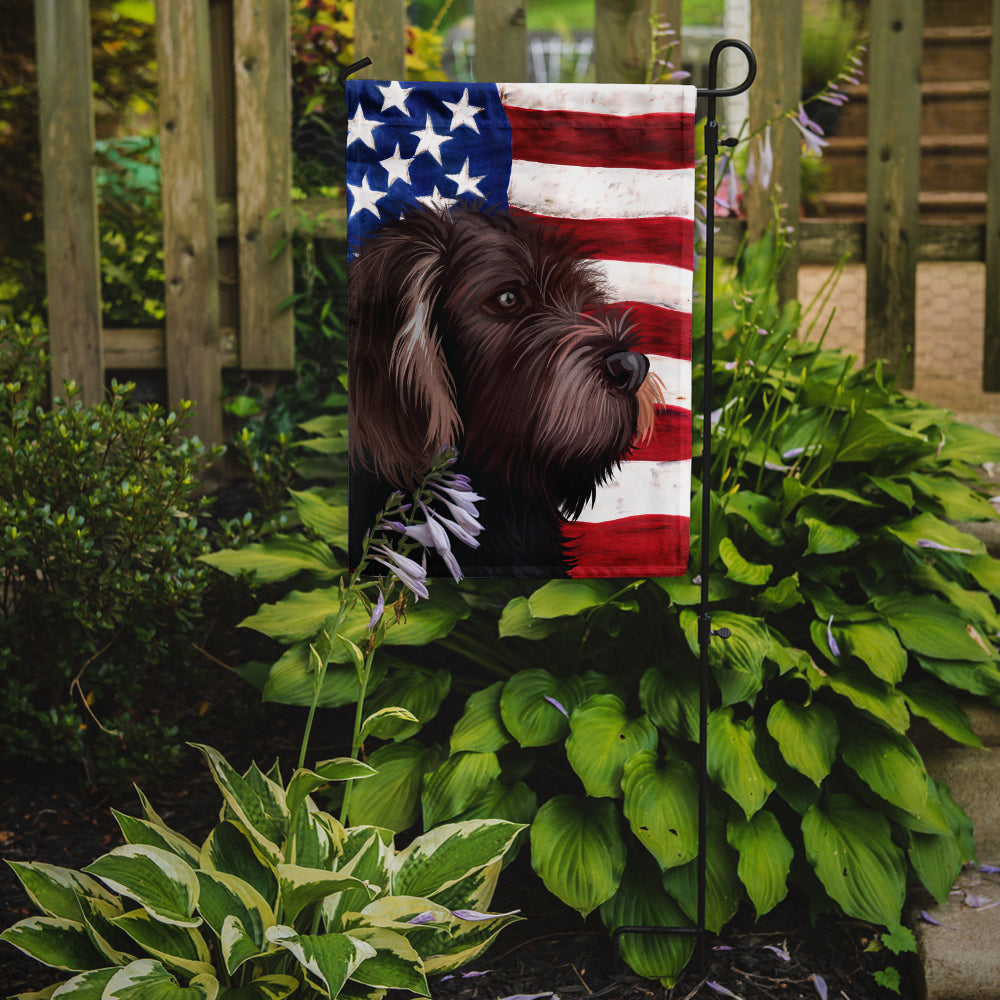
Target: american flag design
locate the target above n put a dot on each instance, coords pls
(613, 163)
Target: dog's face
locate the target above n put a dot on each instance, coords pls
(495, 336)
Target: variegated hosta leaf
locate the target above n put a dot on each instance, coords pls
(602, 737)
(642, 902)
(274, 987)
(147, 979)
(765, 858)
(395, 964)
(328, 959)
(661, 800)
(481, 727)
(256, 801)
(54, 941)
(304, 782)
(225, 897)
(732, 760)
(116, 946)
(141, 831)
(807, 736)
(850, 847)
(86, 986)
(441, 857)
(457, 784)
(177, 947)
(158, 880)
(230, 849)
(56, 891)
(475, 891)
(367, 853)
(300, 887)
(578, 851)
(466, 941)
(315, 838)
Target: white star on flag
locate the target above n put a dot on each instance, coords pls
(463, 113)
(395, 96)
(397, 167)
(436, 200)
(466, 184)
(365, 197)
(430, 142)
(360, 128)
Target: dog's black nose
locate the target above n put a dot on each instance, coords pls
(626, 369)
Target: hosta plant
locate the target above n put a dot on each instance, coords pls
(279, 900)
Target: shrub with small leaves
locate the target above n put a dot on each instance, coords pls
(100, 579)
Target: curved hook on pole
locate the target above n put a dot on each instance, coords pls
(352, 68)
(713, 69)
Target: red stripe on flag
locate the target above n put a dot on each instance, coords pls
(670, 440)
(646, 545)
(649, 142)
(656, 240)
(660, 330)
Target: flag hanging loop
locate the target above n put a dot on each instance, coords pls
(705, 631)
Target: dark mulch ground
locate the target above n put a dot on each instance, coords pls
(550, 952)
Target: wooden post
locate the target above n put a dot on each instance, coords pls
(190, 253)
(501, 41)
(380, 34)
(261, 56)
(991, 333)
(893, 183)
(621, 40)
(72, 255)
(776, 35)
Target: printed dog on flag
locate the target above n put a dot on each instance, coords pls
(492, 334)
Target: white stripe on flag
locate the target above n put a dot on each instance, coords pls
(643, 488)
(675, 377)
(572, 192)
(660, 284)
(605, 99)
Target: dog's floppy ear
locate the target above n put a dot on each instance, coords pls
(402, 395)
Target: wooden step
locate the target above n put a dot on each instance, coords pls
(957, 206)
(956, 53)
(945, 12)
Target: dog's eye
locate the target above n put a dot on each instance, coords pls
(507, 301)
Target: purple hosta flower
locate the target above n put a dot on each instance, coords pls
(780, 952)
(427, 917)
(719, 988)
(834, 648)
(377, 611)
(727, 198)
(811, 132)
(531, 996)
(761, 163)
(465, 975)
(927, 543)
(820, 984)
(558, 705)
(410, 573)
(989, 869)
(475, 915)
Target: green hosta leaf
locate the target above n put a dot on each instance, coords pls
(260, 809)
(783, 595)
(850, 848)
(456, 784)
(141, 831)
(517, 620)
(932, 628)
(958, 502)
(330, 959)
(391, 798)
(738, 661)
(765, 858)
(876, 646)
(279, 558)
(395, 964)
(827, 539)
(292, 680)
(275, 987)
(297, 616)
(928, 528)
(528, 710)
(327, 520)
(230, 849)
(888, 763)
(481, 728)
(752, 574)
(661, 798)
(869, 436)
(304, 782)
(159, 881)
(301, 887)
(441, 857)
(225, 897)
(976, 678)
(893, 488)
(180, 948)
(965, 443)
(941, 709)
(578, 851)
(54, 941)
(732, 760)
(937, 859)
(807, 736)
(147, 979)
(723, 889)
(516, 803)
(758, 511)
(560, 598)
(602, 738)
(865, 692)
(975, 605)
(418, 691)
(641, 901)
(671, 700)
(56, 891)
(986, 571)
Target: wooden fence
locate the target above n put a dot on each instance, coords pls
(226, 160)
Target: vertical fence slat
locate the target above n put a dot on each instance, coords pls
(190, 253)
(668, 12)
(991, 332)
(776, 35)
(261, 42)
(72, 256)
(893, 183)
(380, 34)
(501, 40)
(621, 40)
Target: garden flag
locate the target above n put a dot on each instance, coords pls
(520, 273)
